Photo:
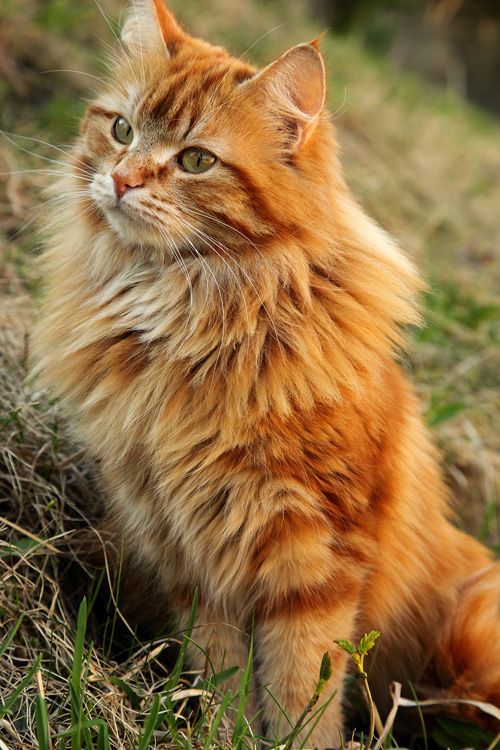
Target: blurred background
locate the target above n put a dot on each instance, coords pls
(454, 43)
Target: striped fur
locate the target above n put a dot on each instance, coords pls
(225, 344)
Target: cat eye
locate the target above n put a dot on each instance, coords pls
(122, 131)
(196, 160)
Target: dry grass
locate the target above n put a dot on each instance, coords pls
(50, 509)
(424, 165)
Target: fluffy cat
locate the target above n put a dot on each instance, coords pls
(220, 318)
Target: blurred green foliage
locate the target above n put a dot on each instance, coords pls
(345, 14)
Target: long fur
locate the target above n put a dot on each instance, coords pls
(226, 349)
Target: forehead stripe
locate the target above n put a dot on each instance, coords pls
(183, 94)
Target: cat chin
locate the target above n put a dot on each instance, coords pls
(126, 228)
(135, 235)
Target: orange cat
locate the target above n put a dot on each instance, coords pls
(220, 319)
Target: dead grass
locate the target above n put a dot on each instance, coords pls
(50, 508)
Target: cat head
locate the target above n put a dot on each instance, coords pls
(190, 148)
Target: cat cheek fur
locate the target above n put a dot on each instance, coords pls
(259, 441)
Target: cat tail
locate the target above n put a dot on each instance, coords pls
(468, 652)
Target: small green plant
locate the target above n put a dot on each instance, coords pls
(454, 733)
(325, 672)
(7, 706)
(358, 654)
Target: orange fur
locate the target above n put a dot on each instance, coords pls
(225, 342)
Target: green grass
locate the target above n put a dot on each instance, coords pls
(218, 720)
(75, 672)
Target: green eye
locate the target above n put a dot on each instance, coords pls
(196, 160)
(122, 131)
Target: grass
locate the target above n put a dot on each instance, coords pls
(76, 671)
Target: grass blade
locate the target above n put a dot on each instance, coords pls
(6, 707)
(76, 676)
(176, 672)
(240, 724)
(42, 723)
(85, 725)
(226, 702)
(420, 716)
(149, 724)
(169, 716)
(10, 636)
(103, 737)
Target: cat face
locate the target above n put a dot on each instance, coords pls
(192, 150)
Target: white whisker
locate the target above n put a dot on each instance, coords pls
(140, 41)
(228, 254)
(44, 158)
(103, 14)
(44, 171)
(44, 143)
(80, 72)
(213, 246)
(219, 290)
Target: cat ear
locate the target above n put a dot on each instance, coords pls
(150, 27)
(294, 89)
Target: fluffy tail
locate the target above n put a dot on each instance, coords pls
(468, 653)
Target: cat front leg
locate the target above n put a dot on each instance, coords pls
(219, 642)
(290, 644)
(310, 583)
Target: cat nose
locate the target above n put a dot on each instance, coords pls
(125, 181)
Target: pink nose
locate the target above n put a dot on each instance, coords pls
(124, 182)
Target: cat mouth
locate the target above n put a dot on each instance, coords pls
(134, 221)
(127, 210)
(120, 212)
(134, 225)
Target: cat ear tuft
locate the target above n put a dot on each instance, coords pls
(294, 87)
(150, 28)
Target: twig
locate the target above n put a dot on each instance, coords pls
(396, 695)
(495, 742)
(375, 720)
(35, 538)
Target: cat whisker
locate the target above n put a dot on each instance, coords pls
(219, 290)
(40, 205)
(181, 263)
(204, 113)
(43, 158)
(57, 204)
(177, 255)
(140, 41)
(208, 241)
(341, 109)
(68, 196)
(251, 283)
(44, 143)
(213, 245)
(179, 259)
(213, 218)
(190, 247)
(227, 252)
(79, 72)
(44, 171)
(204, 214)
(108, 22)
(159, 227)
(261, 38)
